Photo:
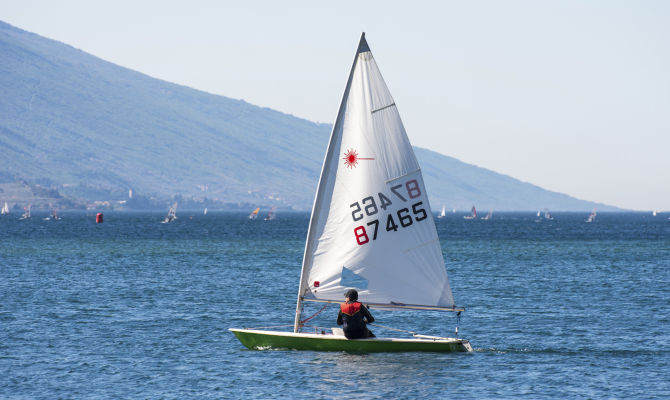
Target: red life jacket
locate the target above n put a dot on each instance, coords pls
(350, 308)
(353, 322)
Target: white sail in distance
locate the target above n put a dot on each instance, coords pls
(371, 226)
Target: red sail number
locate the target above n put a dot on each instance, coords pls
(361, 235)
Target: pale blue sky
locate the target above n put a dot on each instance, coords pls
(573, 96)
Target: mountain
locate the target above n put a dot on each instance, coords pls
(92, 130)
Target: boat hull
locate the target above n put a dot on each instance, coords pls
(263, 340)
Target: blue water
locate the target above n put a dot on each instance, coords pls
(133, 308)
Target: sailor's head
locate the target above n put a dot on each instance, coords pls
(351, 294)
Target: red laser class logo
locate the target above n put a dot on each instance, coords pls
(351, 158)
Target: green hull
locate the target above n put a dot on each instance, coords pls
(261, 340)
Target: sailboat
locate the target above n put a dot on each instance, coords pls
(271, 214)
(5, 209)
(53, 216)
(473, 214)
(205, 211)
(547, 214)
(171, 215)
(488, 216)
(254, 213)
(369, 229)
(592, 216)
(26, 214)
(443, 213)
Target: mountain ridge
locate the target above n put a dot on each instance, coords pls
(93, 130)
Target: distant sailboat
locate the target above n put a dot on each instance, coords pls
(53, 214)
(5, 209)
(443, 213)
(473, 214)
(539, 213)
(205, 212)
(547, 214)
(254, 213)
(26, 214)
(172, 214)
(592, 216)
(488, 216)
(653, 213)
(271, 214)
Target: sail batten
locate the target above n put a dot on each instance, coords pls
(371, 217)
(382, 108)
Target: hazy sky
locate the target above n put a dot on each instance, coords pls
(573, 96)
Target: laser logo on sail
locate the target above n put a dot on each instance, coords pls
(351, 158)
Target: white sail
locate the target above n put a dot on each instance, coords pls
(171, 215)
(371, 226)
(592, 216)
(547, 214)
(5, 209)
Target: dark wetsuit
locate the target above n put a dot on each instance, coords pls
(353, 316)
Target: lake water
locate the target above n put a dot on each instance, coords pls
(132, 308)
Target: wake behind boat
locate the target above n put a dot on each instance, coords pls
(371, 227)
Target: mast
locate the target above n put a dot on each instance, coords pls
(311, 231)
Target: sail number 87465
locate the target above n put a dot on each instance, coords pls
(402, 216)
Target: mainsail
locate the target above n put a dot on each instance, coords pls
(271, 214)
(371, 219)
(172, 214)
(592, 216)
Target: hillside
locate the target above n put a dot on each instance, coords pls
(92, 130)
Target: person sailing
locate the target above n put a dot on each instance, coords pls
(354, 316)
